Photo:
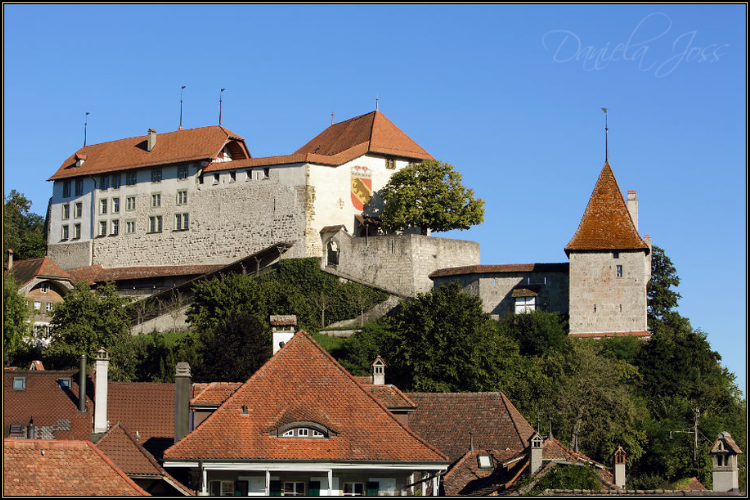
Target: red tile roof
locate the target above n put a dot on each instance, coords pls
(62, 468)
(98, 274)
(146, 408)
(465, 477)
(606, 224)
(389, 395)
(213, 393)
(54, 410)
(302, 382)
(29, 269)
(172, 147)
(729, 442)
(502, 268)
(445, 420)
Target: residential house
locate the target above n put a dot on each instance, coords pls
(303, 426)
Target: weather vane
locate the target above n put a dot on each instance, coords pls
(606, 137)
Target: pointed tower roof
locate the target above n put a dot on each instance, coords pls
(606, 224)
(374, 130)
(302, 384)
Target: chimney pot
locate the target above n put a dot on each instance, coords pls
(100, 391)
(151, 142)
(181, 400)
(82, 384)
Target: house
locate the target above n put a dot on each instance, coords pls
(302, 425)
(603, 286)
(40, 467)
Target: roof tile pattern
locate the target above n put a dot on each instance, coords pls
(445, 420)
(172, 147)
(213, 393)
(302, 382)
(98, 274)
(54, 409)
(26, 270)
(62, 468)
(389, 395)
(123, 448)
(606, 224)
(501, 268)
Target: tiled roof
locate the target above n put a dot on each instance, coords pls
(213, 393)
(62, 468)
(389, 395)
(146, 408)
(302, 382)
(284, 320)
(502, 268)
(467, 478)
(445, 420)
(606, 224)
(54, 410)
(98, 274)
(26, 270)
(729, 442)
(172, 147)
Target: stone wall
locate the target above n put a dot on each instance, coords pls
(602, 302)
(399, 263)
(70, 255)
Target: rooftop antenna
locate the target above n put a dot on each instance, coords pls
(606, 137)
(181, 89)
(85, 126)
(376, 102)
(222, 91)
(331, 117)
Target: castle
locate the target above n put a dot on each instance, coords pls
(165, 203)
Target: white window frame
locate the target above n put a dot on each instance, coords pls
(525, 304)
(103, 204)
(130, 226)
(352, 486)
(65, 232)
(114, 227)
(182, 197)
(66, 211)
(155, 224)
(77, 231)
(78, 210)
(44, 288)
(155, 200)
(102, 228)
(115, 205)
(130, 203)
(116, 181)
(295, 492)
(181, 222)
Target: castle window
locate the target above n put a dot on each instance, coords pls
(103, 206)
(130, 203)
(104, 182)
(65, 233)
(181, 222)
(156, 175)
(76, 231)
(115, 227)
(78, 210)
(66, 189)
(182, 172)
(103, 228)
(525, 304)
(129, 226)
(79, 187)
(44, 288)
(182, 197)
(115, 205)
(156, 200)
(131, 178)
(615, 255)
(66, 211)
(266, 173)
(116, 181)
(232, 176)
(619, 271)
(154, 224)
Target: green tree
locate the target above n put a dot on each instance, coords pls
(23, 231)
(86, 321)
(234, 349)
(16, 325)
(429, 196)
(662, 299)
(537, 332)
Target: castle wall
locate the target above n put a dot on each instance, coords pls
(70, 255)
(602, 302)
(400, 263)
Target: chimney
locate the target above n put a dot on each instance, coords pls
(724, 453)
(30, 430)
(283, 328)
(182, 383)
(537, 446)
(10, 259)
(82, 384)
(633, 207)
(151, 142)
(620, 467)
(378, 371)
(100, 391)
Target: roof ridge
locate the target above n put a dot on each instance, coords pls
(115, 468)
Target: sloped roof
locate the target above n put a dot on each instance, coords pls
(99, 274)
(606, 224)
(466, 477)
(62, 468)
(27, 270)
(445, 420)
(302, 382)
(203, 143)
(126, 452)
(729, 443)
(501, 268)
(213, 393)
(146, 408)
(54, 409)
(389, 395)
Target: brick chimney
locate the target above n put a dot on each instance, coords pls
(633, 207)
(100, 391)
(283, 328)
(151, 142)
(620, 467)
(182, 383)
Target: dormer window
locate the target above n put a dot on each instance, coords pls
(484, 461)
(19, 383)
(303, 430)
(224, 156)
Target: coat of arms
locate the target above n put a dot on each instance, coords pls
(361, 186)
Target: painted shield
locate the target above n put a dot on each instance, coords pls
(361, 187)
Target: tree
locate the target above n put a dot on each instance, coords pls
(23, 232)
(16, 325)
(234, 349)
(86, 321)
(661, 298)
(537, 332)
(429, 196)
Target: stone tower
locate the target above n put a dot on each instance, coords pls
(610, 265)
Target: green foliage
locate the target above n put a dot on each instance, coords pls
(567, 477)
(537, 332)
(429, 196)
(23, 232)
(661, 298)
(233, 350)
(86, 321)
(16, 324)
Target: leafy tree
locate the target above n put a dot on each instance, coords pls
(567, 477)
(662, 299)
(429, 196)
(86, 321)
(234, 349)
(537, 332)
(23, 232)
(16, 325)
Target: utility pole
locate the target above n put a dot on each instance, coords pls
(694, 432)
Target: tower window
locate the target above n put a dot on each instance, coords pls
(619, 271)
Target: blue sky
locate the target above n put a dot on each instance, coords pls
(509, 94)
